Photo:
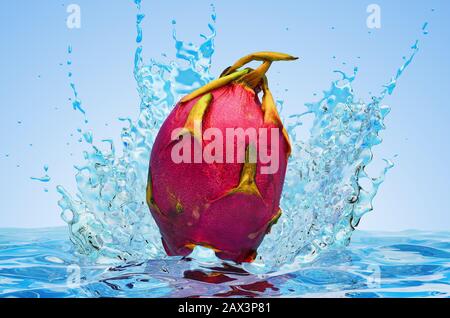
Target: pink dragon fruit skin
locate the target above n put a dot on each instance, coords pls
(228, 207)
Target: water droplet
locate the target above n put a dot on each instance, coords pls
(425, 28)
(45, 179)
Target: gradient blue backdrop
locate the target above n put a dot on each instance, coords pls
(37, 120)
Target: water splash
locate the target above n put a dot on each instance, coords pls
(46, 178)
(327, 188)
(76, 101)
(108, 219)
(425, 28)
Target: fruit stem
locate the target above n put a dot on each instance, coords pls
(259, 56)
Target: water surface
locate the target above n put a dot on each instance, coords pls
(42, 263)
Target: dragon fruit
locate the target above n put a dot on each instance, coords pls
(218, 164)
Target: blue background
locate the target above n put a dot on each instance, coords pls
(37, 119)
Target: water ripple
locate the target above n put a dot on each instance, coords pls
(41, 263)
